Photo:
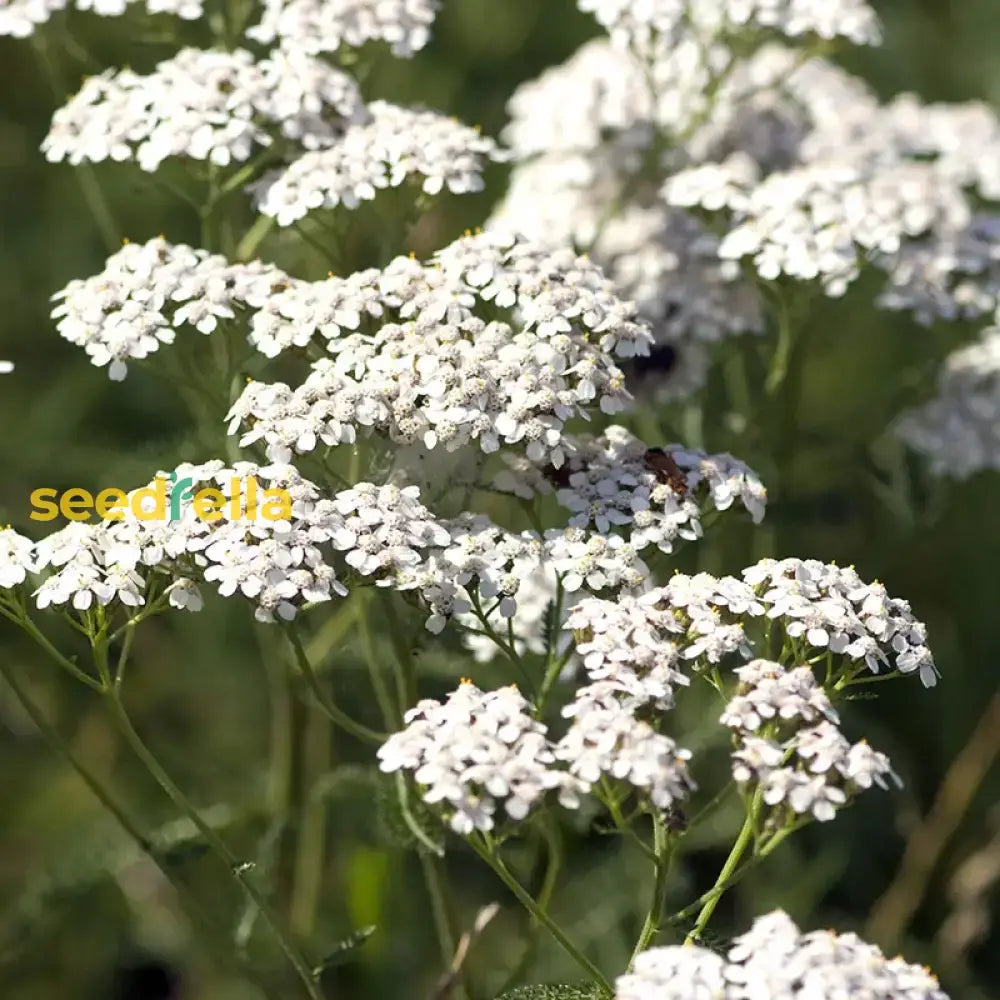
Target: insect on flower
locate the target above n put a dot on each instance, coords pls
(666, 469)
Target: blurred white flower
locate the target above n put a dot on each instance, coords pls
(316, 26)
(383, 152)
(958, 431)
(19, 18)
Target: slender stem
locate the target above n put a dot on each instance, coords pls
(661, 866)
(392, 715)
(254, 236)
(124, 655)
(430, 859)
(407, 676)
(336, 714)
(63, 748)
(214, 841)
(292, 803)
(488, 852)
(722, 887)
(894, 910)
(107, 800)
(310, 861)
(710, 806)
(24, 620)
(434, 881)
(743, 841)
(93, 196)
(505, 645)
(552, 674)
(553, 865)
(783, 354)
(622, 824)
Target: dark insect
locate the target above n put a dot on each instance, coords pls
(559, 478)
(676, 820)
(661, 360)
(666, 469)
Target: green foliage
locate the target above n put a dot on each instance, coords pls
(584, 992)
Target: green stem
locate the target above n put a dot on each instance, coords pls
(743, 841)
(214, 841)
(487, 851)
(622, 824)
(783, 353)
(433, 880)
(107, 800)
(24, 620)
(661, 851)
(310, 861)
(392, 715)
(336, 714)
(722, 887)
(93, 196)
(247, 247)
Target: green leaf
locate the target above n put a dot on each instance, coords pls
(585, 991)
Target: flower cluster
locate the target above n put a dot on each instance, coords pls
(818, 606)
(381, 533)
(475, 752)
(959, 430)
(831, 607)
(606, 740)
(210, 105)
(392, 145)
(770, 693)
(616, 482)
(775, 959)
(481, 565)
(594, 562)
(278, 564)
(148, 290)
(816, 771)
(813, 770)
(583, 132)
(17, 558)
(816, 222)
(19, 18)
(442, 375)
(647, 26)
(316, 26)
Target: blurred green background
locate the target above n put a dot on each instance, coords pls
(81, 916)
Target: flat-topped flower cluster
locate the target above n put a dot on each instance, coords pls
(774, 959)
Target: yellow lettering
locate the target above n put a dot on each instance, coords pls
(109, 504)
(44, 507)
(208, 504)
(277, 505)
(158, 494)
(76, 505)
